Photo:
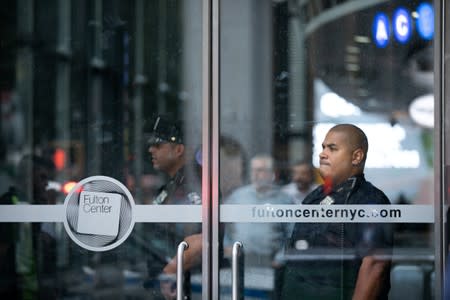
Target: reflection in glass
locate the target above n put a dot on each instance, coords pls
(81, 82)
(322, 67)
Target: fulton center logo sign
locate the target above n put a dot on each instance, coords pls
(99, 213)
(101, 210)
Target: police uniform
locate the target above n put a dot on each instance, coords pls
(178, 191)
(336, 278)
(164, 238)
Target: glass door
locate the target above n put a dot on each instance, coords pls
(310, 210)
(101, 144)
(138, 137)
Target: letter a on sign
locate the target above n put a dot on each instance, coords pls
(382, 34)
(380, 30)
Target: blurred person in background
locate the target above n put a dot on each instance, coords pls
(232, 165)
(263, 241)
(30, 258)
(6, 170)
(302, 181)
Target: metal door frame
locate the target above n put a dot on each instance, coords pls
(210, 149)
(210, 139)
(442, 81)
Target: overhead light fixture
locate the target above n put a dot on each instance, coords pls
(352, 67)
(333, 105)
(362, 39)
(421, 110)
(352, 49)
(351, 58)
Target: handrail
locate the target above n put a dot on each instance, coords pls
(181, 247)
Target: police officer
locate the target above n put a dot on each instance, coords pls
(168, 155)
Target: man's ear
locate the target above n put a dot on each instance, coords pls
(179, 149)
(357, 157)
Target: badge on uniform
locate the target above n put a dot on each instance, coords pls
(327, 201)
(160, 198)
(194, 198)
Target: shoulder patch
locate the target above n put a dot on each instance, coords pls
(327, 201)
(194, 198)
(160, 198)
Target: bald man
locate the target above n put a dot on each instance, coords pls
(359, 274)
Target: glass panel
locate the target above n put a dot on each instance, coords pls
(110, 89)
(290, 71)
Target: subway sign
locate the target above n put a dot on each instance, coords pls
(402, 25)
(425, 21)
(381, 30)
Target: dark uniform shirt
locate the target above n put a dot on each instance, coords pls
(345, 245)
(178, 190)
(164, 238)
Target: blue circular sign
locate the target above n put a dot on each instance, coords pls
(425, 21)
(402, 25)
(381, 30)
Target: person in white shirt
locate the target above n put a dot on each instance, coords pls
(302, 174)
(262, 241)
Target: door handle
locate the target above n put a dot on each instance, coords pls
(180, 272)
(236, 284)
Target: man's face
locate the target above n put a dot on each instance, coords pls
(261, 173)
(336, 158)
(302, 176)
(165, 156)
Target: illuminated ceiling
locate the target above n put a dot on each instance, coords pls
(343, 54)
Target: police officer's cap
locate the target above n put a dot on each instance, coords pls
(165, 130)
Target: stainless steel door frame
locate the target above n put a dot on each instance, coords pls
(442, 82)
(210, 150)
